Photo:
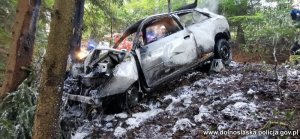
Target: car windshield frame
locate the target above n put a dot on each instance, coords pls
(150, 19)
(138, 26)
(129, 31)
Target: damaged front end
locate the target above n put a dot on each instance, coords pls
(105, 72)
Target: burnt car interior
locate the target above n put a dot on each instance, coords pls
(159, 28)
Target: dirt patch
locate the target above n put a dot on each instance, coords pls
(257, 55)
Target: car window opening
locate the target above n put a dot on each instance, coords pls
(161, 28)
(191, 18)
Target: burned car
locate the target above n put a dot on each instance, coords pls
(163, 47)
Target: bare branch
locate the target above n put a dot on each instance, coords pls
(275, 69)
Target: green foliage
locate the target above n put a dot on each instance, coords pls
(17, 113)
(2, 71)
(43, 26)
(246, 18)
(98, 19)
(18, 108)
(261, 25)
(4, 42)
(275, 24)
(294, 59)
(7, 14)
(103, 17)
(290, 115)
(4, 38)
(234, 7)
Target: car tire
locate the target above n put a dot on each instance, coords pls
(223, 51)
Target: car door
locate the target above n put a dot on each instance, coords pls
(162, 56)
(201, 25)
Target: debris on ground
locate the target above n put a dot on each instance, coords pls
(242, 97)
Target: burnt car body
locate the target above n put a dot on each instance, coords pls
(187, 39)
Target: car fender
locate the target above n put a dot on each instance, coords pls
(206, 31)
(124, 75)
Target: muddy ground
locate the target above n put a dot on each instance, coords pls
(243, 97)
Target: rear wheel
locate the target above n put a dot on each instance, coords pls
(223, 51)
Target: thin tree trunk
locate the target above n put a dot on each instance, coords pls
(78, 27)
(240, 34)
(169, 6)
(21, 50)
(54, 68)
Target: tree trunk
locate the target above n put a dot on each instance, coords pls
(78, 27)
(54, 67)
(21, 50)
(169, 6)
(240, 34)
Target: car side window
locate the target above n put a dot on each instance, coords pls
(192, 18)
(161, 28)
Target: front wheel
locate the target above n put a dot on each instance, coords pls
(223, 51)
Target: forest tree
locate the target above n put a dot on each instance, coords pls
(54, 67)
(21, 49)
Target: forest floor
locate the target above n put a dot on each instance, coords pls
(244, 99)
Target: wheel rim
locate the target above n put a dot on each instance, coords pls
(224, 52)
